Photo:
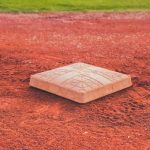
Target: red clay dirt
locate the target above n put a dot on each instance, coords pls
(31, 119)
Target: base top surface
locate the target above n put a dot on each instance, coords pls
(81, 77)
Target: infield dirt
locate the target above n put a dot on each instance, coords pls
(35, 120)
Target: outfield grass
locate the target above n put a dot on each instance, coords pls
(72, 5)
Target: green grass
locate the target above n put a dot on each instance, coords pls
(72, 5)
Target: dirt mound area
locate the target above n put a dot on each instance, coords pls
(35, 120)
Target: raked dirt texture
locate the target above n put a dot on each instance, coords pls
(32, 119)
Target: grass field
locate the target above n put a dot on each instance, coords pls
(72, 5)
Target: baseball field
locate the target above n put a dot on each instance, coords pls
(39, 35)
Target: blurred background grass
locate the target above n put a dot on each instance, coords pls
(72, 5)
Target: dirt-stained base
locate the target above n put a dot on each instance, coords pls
(31, 119)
